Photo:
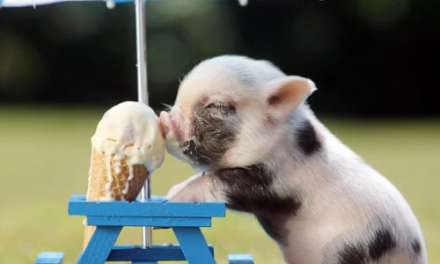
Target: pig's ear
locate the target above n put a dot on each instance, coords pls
(283, 95)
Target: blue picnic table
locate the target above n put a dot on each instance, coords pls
(184, 218)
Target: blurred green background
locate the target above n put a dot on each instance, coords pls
(45, 159)
(375, 63)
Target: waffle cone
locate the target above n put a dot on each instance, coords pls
(123, 182)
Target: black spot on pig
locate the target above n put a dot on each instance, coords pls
(307, 139)
(275, 226)
(249, 189)
(192, 150)
(214, 129)
(415, 245)
(370, 251)
(352, 254)
(382, 242)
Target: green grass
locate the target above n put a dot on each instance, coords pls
(45, 158)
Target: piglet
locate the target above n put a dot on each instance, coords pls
(245, 127)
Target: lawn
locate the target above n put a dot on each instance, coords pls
(45, 158)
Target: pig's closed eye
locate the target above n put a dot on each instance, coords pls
(221, 108)
(214, 106)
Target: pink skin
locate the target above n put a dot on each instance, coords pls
(169, 127)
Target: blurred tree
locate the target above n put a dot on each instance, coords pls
(366, 56)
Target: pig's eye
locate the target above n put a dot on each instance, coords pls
(214, 106)
(221, 108)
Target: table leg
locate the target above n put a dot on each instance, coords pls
(194, 245)
(100, 245)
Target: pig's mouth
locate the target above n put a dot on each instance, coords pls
(191, 149)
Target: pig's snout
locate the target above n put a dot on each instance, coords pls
(169, 127)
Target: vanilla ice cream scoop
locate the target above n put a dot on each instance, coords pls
(131, 130)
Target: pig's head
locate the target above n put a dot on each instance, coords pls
(232, 111)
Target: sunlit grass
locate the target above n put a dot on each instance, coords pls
(45, 158)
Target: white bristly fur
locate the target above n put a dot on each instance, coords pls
(342, 198)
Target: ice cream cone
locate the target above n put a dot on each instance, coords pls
(113, 179)
(126, 147)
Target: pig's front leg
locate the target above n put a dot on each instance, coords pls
(198, 188)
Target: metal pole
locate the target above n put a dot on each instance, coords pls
(141, 47)
(142, 84)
